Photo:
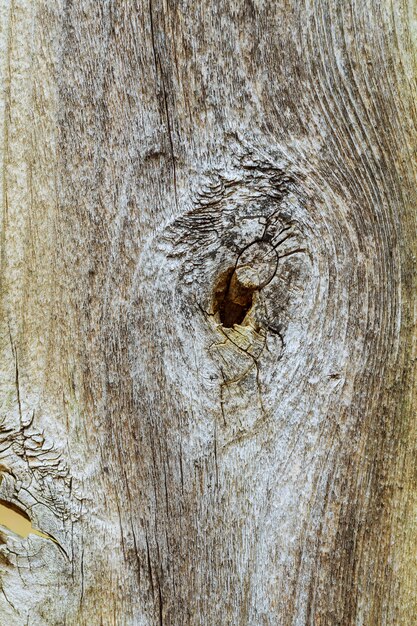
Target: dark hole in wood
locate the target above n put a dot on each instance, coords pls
(232, 300)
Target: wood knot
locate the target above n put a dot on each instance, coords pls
(255, 267)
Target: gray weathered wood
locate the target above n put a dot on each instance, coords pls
(208, 312)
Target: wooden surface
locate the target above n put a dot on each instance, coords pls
(208, 312)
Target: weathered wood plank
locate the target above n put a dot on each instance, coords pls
(208, 312)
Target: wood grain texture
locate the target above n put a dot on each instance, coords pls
(168, 168)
